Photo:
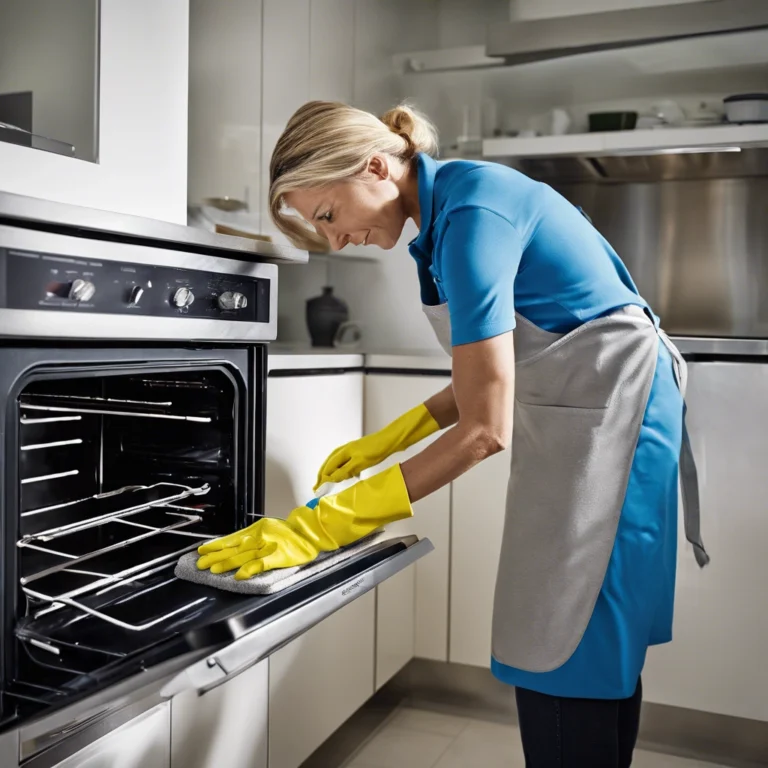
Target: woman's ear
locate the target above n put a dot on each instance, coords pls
(378, 167)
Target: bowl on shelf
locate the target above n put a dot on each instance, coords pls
(612, 121)
(747, 108)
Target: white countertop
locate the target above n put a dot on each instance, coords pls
(302, 357)
(296, 360)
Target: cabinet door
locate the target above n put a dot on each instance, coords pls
(331, 70)
(307, 417)
(225, 101)
(318, 681)
(142, 128)
(285, 78)
(141, 743)
(478, 506)
(412, 612)
(324, 676)
(716, 661)
(224, 727)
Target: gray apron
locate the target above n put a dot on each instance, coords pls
(580, 399)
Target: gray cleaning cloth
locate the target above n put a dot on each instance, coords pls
(272, 581)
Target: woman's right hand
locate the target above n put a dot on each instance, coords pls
(351, 459)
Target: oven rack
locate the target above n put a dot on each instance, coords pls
(106, 579)
(49, 523)
(104, 406)
(136, 532)
(114, 582)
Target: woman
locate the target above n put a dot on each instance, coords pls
(587, 572)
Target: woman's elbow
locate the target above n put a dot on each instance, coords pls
(491, 439)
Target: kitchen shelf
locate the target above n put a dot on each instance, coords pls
(444, 60)
(364, 257)
(700, 53)
(716, 138)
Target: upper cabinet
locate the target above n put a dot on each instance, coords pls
(99, 92)
(279, 55)
(225, 101)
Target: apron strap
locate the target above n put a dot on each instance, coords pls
(689, 478)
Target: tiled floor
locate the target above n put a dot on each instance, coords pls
(414, 738)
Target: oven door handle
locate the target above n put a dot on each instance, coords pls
(253, 647)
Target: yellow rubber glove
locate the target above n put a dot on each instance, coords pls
(353, 458)
(334, 522)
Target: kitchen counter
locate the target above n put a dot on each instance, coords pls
(302, 357)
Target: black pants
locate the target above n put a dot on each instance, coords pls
(578, 733)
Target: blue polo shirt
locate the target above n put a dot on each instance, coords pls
(493, 242)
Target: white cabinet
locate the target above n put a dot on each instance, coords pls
(224, 727)
(331, 71)
(478, 507)
(318, 681)
(716, 662)
(141, 743)
(225, 100)
(308, 53)
(412, 610)
(307, 417)
(324, 676)
(285, 76)
(142, 130)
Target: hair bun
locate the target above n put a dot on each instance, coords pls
(416, 130)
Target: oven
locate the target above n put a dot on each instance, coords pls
(133, 362)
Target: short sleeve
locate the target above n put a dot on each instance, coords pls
(478, 259)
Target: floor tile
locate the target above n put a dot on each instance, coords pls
(395, 747)
(489, 745)
(656, 760)
(429, 722)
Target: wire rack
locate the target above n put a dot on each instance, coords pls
(97, 547)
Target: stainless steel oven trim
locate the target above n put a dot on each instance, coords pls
(62, 214)
(51, 324)
(81, 724)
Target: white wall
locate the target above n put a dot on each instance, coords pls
(50, 48)
(142, 166)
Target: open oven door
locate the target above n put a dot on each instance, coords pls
(212, 637)
(256, 627)
(159, 622)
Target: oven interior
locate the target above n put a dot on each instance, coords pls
(118, 475)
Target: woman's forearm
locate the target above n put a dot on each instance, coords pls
(451, 455)
(442, 407)
(480, 403)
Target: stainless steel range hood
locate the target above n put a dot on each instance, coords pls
(671, 165)
(521, 42)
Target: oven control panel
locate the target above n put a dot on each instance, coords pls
(45, 281)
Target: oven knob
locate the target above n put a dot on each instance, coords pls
(232, 300)
(81, 290)
(136, 293)
(183, 298)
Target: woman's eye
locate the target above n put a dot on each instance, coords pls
(327, 217)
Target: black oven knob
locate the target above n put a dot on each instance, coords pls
(230, 300)
(183, 298)
(81, 290)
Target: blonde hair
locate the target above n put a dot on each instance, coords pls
(325, 142)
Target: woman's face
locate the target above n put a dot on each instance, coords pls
(369, 209)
